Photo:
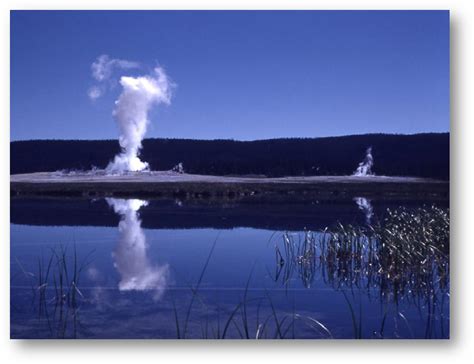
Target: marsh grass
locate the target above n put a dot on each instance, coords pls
(55, 287)
(404, 256)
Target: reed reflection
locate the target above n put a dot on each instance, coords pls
(405, 257)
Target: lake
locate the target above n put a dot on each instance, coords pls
(169, 269)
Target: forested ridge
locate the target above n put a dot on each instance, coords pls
(422, 155)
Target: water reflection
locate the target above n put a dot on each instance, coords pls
(366, 207)
(405, 258)
(130, 255)
(406, 255)
(388, 279)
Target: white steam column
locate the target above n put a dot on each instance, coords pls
(138, 96)
(365, 167)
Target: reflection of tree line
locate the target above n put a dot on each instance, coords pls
(405, 256)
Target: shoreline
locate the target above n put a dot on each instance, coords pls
(169, 185)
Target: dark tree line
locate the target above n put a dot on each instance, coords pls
(423, 155)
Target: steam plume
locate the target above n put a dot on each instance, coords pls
(138, 96)
(103, 67)
(131, 261)
(94, 92)
(102, 71)
(365, 167)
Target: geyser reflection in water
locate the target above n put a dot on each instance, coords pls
(130, 255)
(400, 286)
(366, 207)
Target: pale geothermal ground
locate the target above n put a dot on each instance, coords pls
(167, 177)
(168, 184)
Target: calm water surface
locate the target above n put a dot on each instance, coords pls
(158, 269)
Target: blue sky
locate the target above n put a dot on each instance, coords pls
(239, 75)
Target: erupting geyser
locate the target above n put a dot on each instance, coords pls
(139, 95)
(365, 167)
(131, 113)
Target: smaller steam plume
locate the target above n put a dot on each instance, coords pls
(365, 167)
(178, 168)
